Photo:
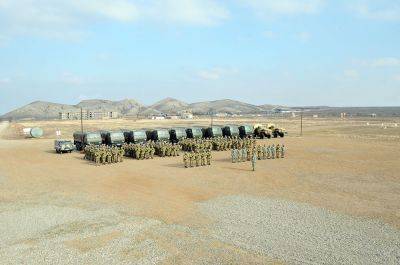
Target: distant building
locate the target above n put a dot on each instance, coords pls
(186, 115)
(88, 115)
(172, 117)
(155, 117)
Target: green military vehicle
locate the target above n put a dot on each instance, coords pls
(158, 135)
(63, 146)
(177, 134)
(194, 132)
(82, 139)
(211, 132)
(135, 136)
(230, 130)
(113, 138)
(245, 131)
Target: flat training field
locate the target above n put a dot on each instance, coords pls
(334, 199)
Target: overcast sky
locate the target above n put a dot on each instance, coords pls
(304, 52)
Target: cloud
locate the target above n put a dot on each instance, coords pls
(351, 74)
(303, 36)
(377, 10)
(269, 34)
(273, 8)
(5, 81)
(194, 12)
(215, 73)
(386, 62)
(71, 79)
(71, 19)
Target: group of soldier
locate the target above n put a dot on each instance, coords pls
(193, 144)
(197, 158)
(216, 144)
(103, 154)
(260, 152)
(139, 151)
(164, 148)
(228, 143)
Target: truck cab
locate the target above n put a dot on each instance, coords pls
(82, 139)
(194, 132)
(177, 134)
(113, 138)
(230, 130)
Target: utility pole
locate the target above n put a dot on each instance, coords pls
(212, 117)
(81, 120)
(301, 122)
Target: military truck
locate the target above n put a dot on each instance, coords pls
(177, 134)
(82, 139)
(276, 131)
(245, 131)
(194, 132)
(158, 135)
(211, 132)
(262, 131)
(137, 136)
(230, 130)
(63, 146)
(113, 138)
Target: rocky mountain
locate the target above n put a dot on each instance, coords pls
(169, 105)
(224, 106)
(128, 107)
(125, 107)
(39, 110)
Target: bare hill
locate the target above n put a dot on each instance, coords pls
(224, 106)
(169, 105)
(126, 106)
(39, 110)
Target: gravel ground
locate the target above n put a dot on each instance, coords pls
(301, 234)
(56, 230)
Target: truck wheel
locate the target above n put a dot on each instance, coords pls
(268, 136)
(281, 134)
(275, 135)
(261, 136)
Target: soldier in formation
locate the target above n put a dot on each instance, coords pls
(228, 143)
(164, 149)
(261, 152)
(104, 154)
(196, 144)
(197, 158)
(140, 151)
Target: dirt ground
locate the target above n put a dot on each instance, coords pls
(350, 167)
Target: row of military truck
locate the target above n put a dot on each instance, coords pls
(174, 135)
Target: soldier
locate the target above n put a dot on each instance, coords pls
(191, 158)
(103, 156)
(208, 157)
(185, 160)
(253, 161)
(233, 155)
(203, 158)
(278, 150)
(97, 158)
(283, 151)
(273, 151)
(244, 152)
(197, 158)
